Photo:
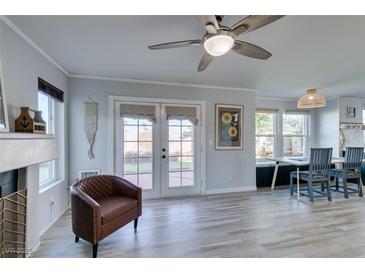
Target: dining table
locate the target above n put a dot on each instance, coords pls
(299, 162)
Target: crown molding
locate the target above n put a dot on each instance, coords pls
(277, 99)
(140, 81)
(32, 43)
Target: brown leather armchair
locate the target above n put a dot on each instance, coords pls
(101, 205)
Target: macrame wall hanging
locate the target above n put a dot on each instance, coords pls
(90, 123)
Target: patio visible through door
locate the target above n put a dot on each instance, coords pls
(158, 147)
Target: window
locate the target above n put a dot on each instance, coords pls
(46, 105)
(266, 132)
(295, 133)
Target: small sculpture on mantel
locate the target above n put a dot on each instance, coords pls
(25, 123)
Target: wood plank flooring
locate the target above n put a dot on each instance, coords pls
(256, 224)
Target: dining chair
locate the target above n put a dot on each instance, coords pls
(319, 167)
(350, 172)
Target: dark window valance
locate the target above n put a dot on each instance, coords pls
(50, 90)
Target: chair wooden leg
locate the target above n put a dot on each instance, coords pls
(95, 250)
(360, 188)
(76, 239)
(135, 224)
(322, 186)
(291, 185)
(310, 191)
(345, 190)
(337, 184)
(329, 194)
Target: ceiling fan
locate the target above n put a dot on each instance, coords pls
(219, 39)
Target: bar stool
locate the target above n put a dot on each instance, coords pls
(350, 172)
(319, 166)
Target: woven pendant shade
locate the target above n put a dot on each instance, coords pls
(311, 100)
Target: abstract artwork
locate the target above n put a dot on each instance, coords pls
(229, 126)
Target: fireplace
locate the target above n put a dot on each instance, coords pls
(13, 208)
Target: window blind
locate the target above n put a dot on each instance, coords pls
(50, 90)
(138, 111)
(182, 113)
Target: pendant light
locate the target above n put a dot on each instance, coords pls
(311, 100)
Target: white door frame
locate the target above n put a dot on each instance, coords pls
(111, 142)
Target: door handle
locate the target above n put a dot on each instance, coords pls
(163, 156)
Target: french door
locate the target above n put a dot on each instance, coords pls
(161, 155)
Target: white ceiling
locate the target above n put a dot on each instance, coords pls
(324, 52)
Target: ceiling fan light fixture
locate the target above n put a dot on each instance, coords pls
(311, 100)
(218, 45)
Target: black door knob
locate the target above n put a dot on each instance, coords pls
(163, 156)
(164, 149)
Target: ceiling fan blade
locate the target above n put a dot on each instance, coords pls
(209, 22)
(254, 22)
(178, 44)
(250, 50)
(205, 61)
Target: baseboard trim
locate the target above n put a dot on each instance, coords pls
(230, 190)
(53, 222)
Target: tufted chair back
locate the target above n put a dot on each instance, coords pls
(97, 187)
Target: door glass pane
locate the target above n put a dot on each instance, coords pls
(181, 153)
(174, 164)
(131, 178)
(187, 178)
(130, 121)
(138, 152)
(130, 149)
(145, 149)
(174, 133)
(187, 133)
(145, 133)
(145, 181)
(130, 165)
(174, 148)
(130, 133)
(145, 165)
(174, 179)
(187, 163)
(187, 148)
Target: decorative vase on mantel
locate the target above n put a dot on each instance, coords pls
(24, 123)
(39, 123)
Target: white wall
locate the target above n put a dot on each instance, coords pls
(222, 166)
(22, 65)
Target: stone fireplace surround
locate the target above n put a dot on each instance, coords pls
(18, 151)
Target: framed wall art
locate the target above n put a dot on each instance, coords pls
(228, 127)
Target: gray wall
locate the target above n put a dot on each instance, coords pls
(225, 169)
(327, 126)
(21, 67)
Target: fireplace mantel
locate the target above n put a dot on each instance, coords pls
(19, 150)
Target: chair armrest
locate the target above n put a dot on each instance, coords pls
(124, 188)
(86, 219)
